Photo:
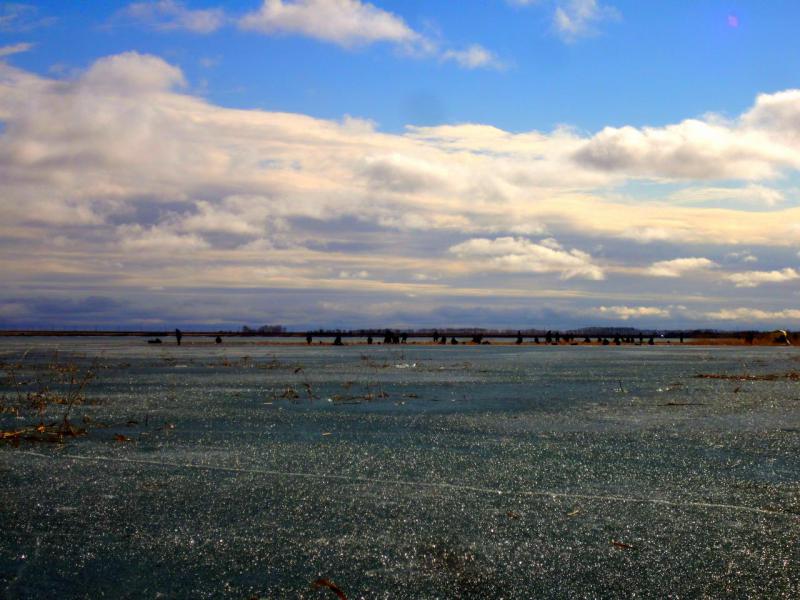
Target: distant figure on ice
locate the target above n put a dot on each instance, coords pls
(369, 339)
(178, 336)
(519, 337)
(338, 341)
(309, 339)
(652, 341)
(218, 340)
(454, 341)
(435, 336)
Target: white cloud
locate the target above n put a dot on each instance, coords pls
(750, 315)
(354, 274)
(744, 256)
(633, 312)
(473, 57)
(343, 22)
(751, 194)
(679, 267)
(693, 149)
(14, 49)
(158, 240)
(751, 279)
(577, 18)
(170, 15)
(132, 72)
(778, 113)
(519, 255)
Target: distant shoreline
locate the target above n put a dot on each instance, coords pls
(417, 339)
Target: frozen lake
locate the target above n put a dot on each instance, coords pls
(407, 471)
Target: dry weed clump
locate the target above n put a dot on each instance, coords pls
(788, 376)
(29, 390)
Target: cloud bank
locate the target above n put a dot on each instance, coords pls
(118, 179)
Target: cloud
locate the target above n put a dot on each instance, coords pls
(750, 279)
(752, 315)
(693, 149)
(678, 267)
(473, 57)
(346, 23)
(777, 113)
(744, 256)
(172, 15)
(633, 312)
(158, 240)
(574, 19)
(519, 255)
(117, 176)
(132, 72)
(17, 18)
(751, 194)
(122, 131)
(14, 49)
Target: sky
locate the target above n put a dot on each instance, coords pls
(403, 163)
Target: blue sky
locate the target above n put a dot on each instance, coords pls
(496, 162)
(650, 64)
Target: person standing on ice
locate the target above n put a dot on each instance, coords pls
(178, 336)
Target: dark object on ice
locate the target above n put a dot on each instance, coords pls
(155, 341)
(454, 341)
(443, 340)
(652, 341)
(435, 336)
(327, 583)
(218, 340)
(308, 338)
(605, 342)
(519, 337)
(587, 340)
(681, 338)
(369, 339)
(338, 341)
(477, 339)
(782, 337)
(548, 337)
(404, 338)
(617, 341)
(622, 545)
(178, 336)
(536, 340)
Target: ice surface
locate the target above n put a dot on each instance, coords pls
(406, 472)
